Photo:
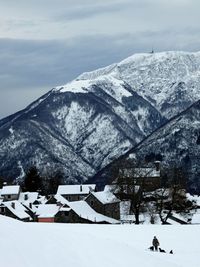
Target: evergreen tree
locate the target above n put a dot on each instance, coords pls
(1, 182)
(51, 181)
(55, 181)
(32, 182)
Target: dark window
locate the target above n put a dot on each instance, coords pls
(9, 196)
(2, 209)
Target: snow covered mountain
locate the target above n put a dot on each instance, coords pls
(177, 143)
(84, 125)
(170, 81)
(77, 128)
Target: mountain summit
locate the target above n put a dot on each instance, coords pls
(170, 81)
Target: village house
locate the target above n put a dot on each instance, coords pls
(16, 210)
(70, 212)
(147, 177)
(31, 200)
(67, 207)
(10, 192)
(58, 209)
(19, 205)
(75, 192)
(88, 215)
(49, 213)
(105, 202)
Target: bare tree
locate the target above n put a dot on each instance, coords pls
(131, 183)
(172, 196)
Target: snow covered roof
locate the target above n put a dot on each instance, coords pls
(177, 218)
(105, 197)
(28, 197)
(141, 172)
(195, 199)
(196, 218)
(10, 190)
(75, 189)
(47, 210)
(17, 209)
(61, 199)
(42, 199)
(82, 209)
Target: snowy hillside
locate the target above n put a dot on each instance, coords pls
(177, 141)
(34, 244)
(77, 128)
(169, 80)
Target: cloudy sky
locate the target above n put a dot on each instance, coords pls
(44, 43)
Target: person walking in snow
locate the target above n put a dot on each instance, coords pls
(155, 243)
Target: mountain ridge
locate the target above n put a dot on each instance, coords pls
(71, 119)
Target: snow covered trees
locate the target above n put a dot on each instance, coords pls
(132, 185)
(171, 197)
(158, 193)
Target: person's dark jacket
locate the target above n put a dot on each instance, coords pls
(155, 242)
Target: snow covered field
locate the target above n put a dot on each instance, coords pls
(67, 245)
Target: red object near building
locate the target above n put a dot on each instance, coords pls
(46, 220)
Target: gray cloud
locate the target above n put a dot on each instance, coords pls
(31, 63)
(84, 12)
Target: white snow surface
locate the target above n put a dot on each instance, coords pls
(47, 211)
(75, 189)
(196, 219)
(10, 190)
(76, 245)
(105, 197)
(19, 210)
(86, 212)
(29, 197)
(194, 198)
(76, 86)
(113, 85)
(82, 209)
(157, 76)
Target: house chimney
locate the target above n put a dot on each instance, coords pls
(81, 188)
(25, 196)
(13, 205)
(157, 165)
(30, 205)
